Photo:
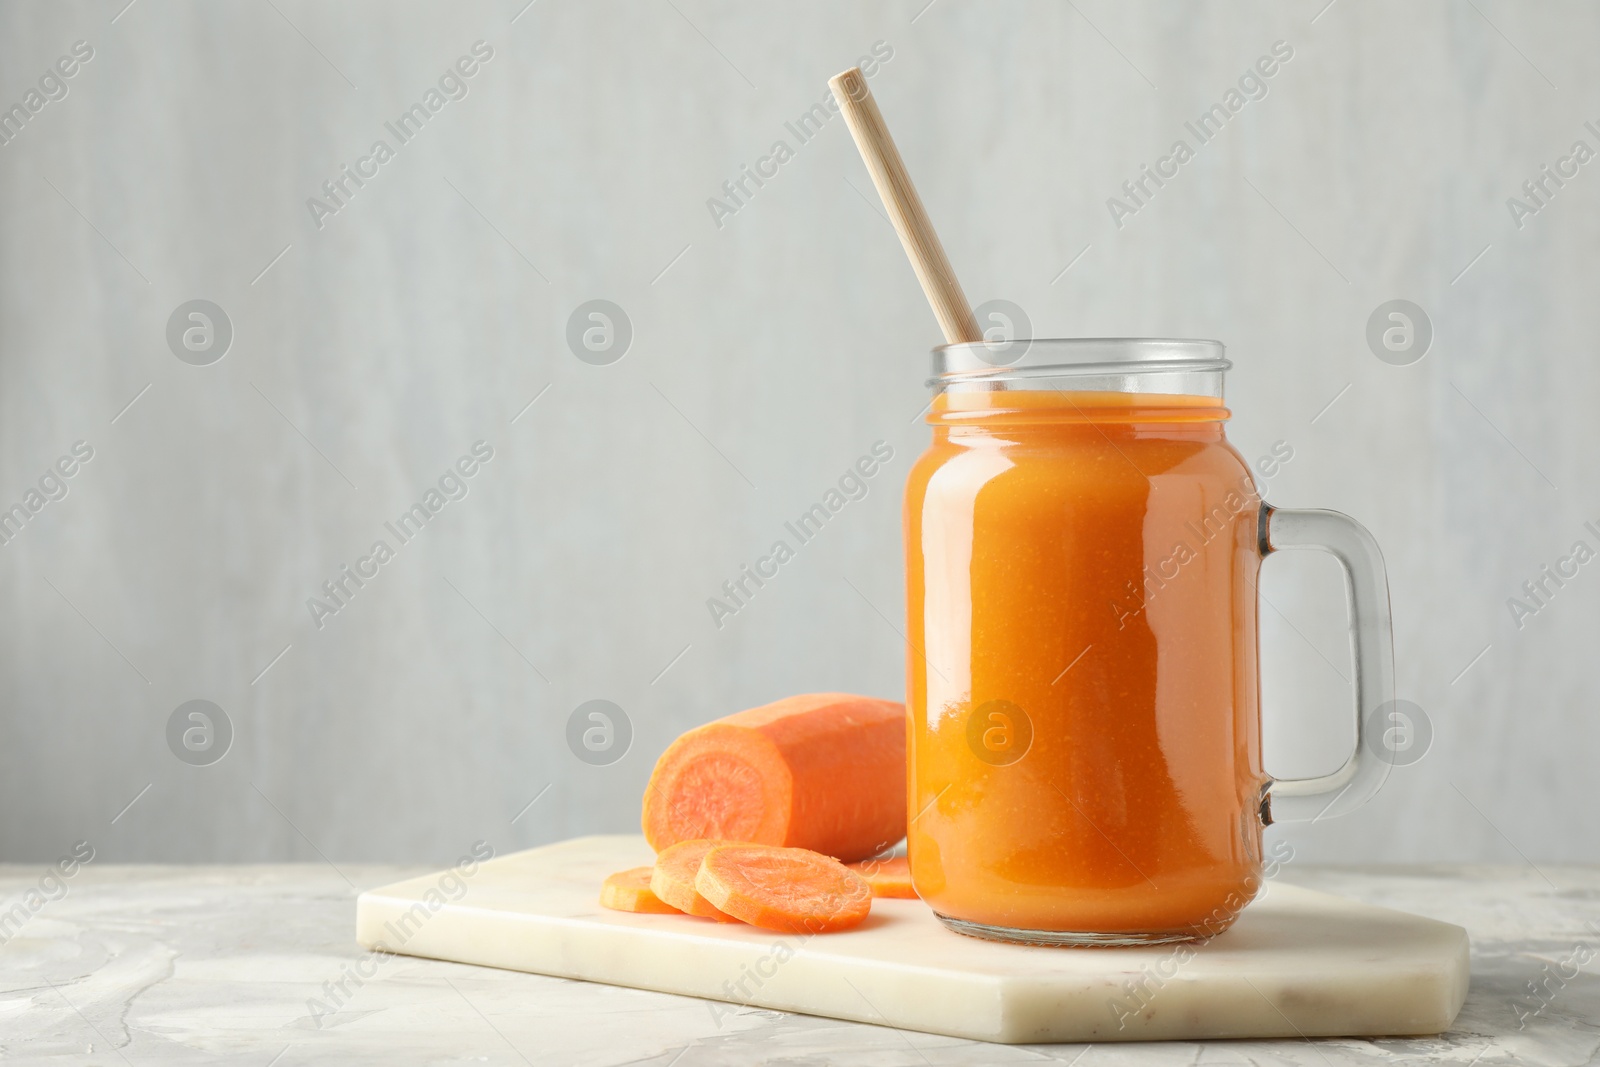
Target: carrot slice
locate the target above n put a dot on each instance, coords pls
(792, 890)
(823, 771)
(672, 880)
(630, 891)
(889, 877)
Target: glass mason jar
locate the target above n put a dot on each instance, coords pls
(1082, 551)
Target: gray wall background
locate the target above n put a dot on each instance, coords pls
(767, 355)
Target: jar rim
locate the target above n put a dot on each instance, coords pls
(1058, 356)
(1133, 364)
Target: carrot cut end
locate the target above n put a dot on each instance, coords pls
(716, 782)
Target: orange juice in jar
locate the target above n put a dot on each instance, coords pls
(1082, 553)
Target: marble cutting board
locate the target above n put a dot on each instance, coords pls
(1298, 963)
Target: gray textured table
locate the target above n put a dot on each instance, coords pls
(179, 965)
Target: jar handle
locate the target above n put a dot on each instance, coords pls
(1372, 648)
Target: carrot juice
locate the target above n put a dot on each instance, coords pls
(1084, 736)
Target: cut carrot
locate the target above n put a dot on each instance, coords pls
(630, 891)
(792, 890)
(672, 880)
(889, 877)
(824, 771)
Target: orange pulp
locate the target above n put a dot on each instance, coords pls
(1080, 576)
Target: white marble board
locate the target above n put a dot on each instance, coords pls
(1298, 963)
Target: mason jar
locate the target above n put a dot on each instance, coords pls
(1083, 548)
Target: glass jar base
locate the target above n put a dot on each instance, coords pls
(1068, 938)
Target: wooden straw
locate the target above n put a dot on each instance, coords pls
(906, 212)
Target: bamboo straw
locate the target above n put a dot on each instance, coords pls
(906, 212)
